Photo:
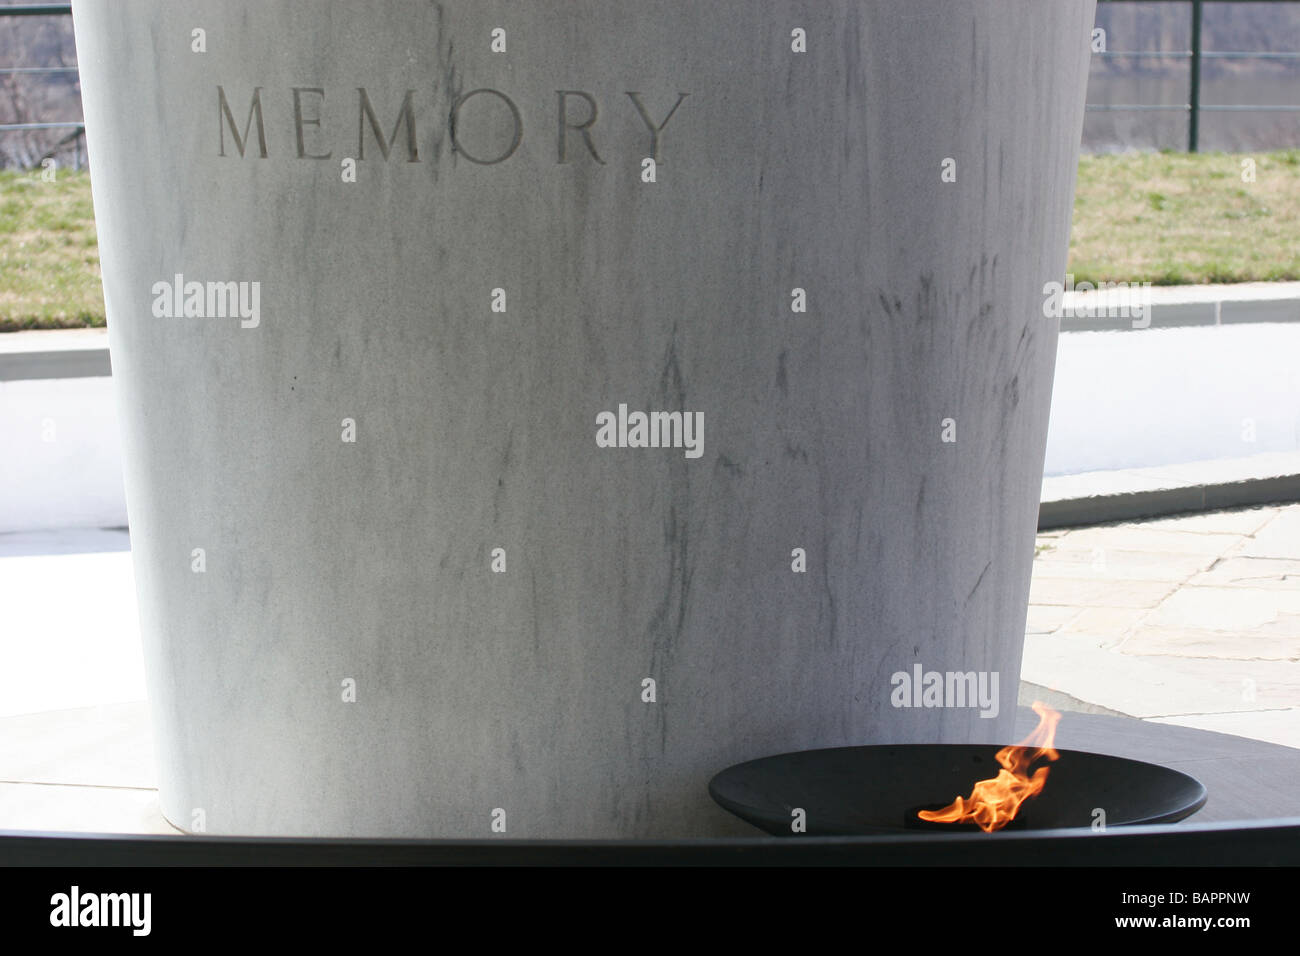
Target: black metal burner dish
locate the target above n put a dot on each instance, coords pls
(849, 791)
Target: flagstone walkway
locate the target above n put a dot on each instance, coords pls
(1191, 620)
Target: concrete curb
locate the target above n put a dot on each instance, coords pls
(1181, 306)
(1101, 497)
(63, 353)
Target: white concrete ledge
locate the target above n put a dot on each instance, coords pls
(1181, 305)
(62, 353)
(1102, 496)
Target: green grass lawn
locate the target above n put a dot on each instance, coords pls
(49, 256)
(1181, 218)
(1165, 218)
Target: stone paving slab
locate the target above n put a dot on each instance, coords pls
(106, 746)
(1046, 618)
(1082, 666)
(30, 806)
(1244, 521)
(1244, 685)
(1207, 643)
(1272, 726)
(1279, 538)
(1136, 537)
(1250, 572)
(1109, 625)
(1113, 564)
(1236, 614)
(1218, 650)
(1082, 592)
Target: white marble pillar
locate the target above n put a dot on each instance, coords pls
(447, 266)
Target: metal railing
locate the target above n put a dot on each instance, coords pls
(78, 129)
(1194, 107)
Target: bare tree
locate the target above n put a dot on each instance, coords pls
(38, 97)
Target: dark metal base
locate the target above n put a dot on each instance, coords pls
(848, 791)
(1256, 843)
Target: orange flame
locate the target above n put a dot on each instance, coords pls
(994, 803)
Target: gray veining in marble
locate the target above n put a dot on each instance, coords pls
(371, 560)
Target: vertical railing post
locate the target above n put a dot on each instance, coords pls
(1194, 120)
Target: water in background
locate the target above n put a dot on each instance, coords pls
(1166, 27)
